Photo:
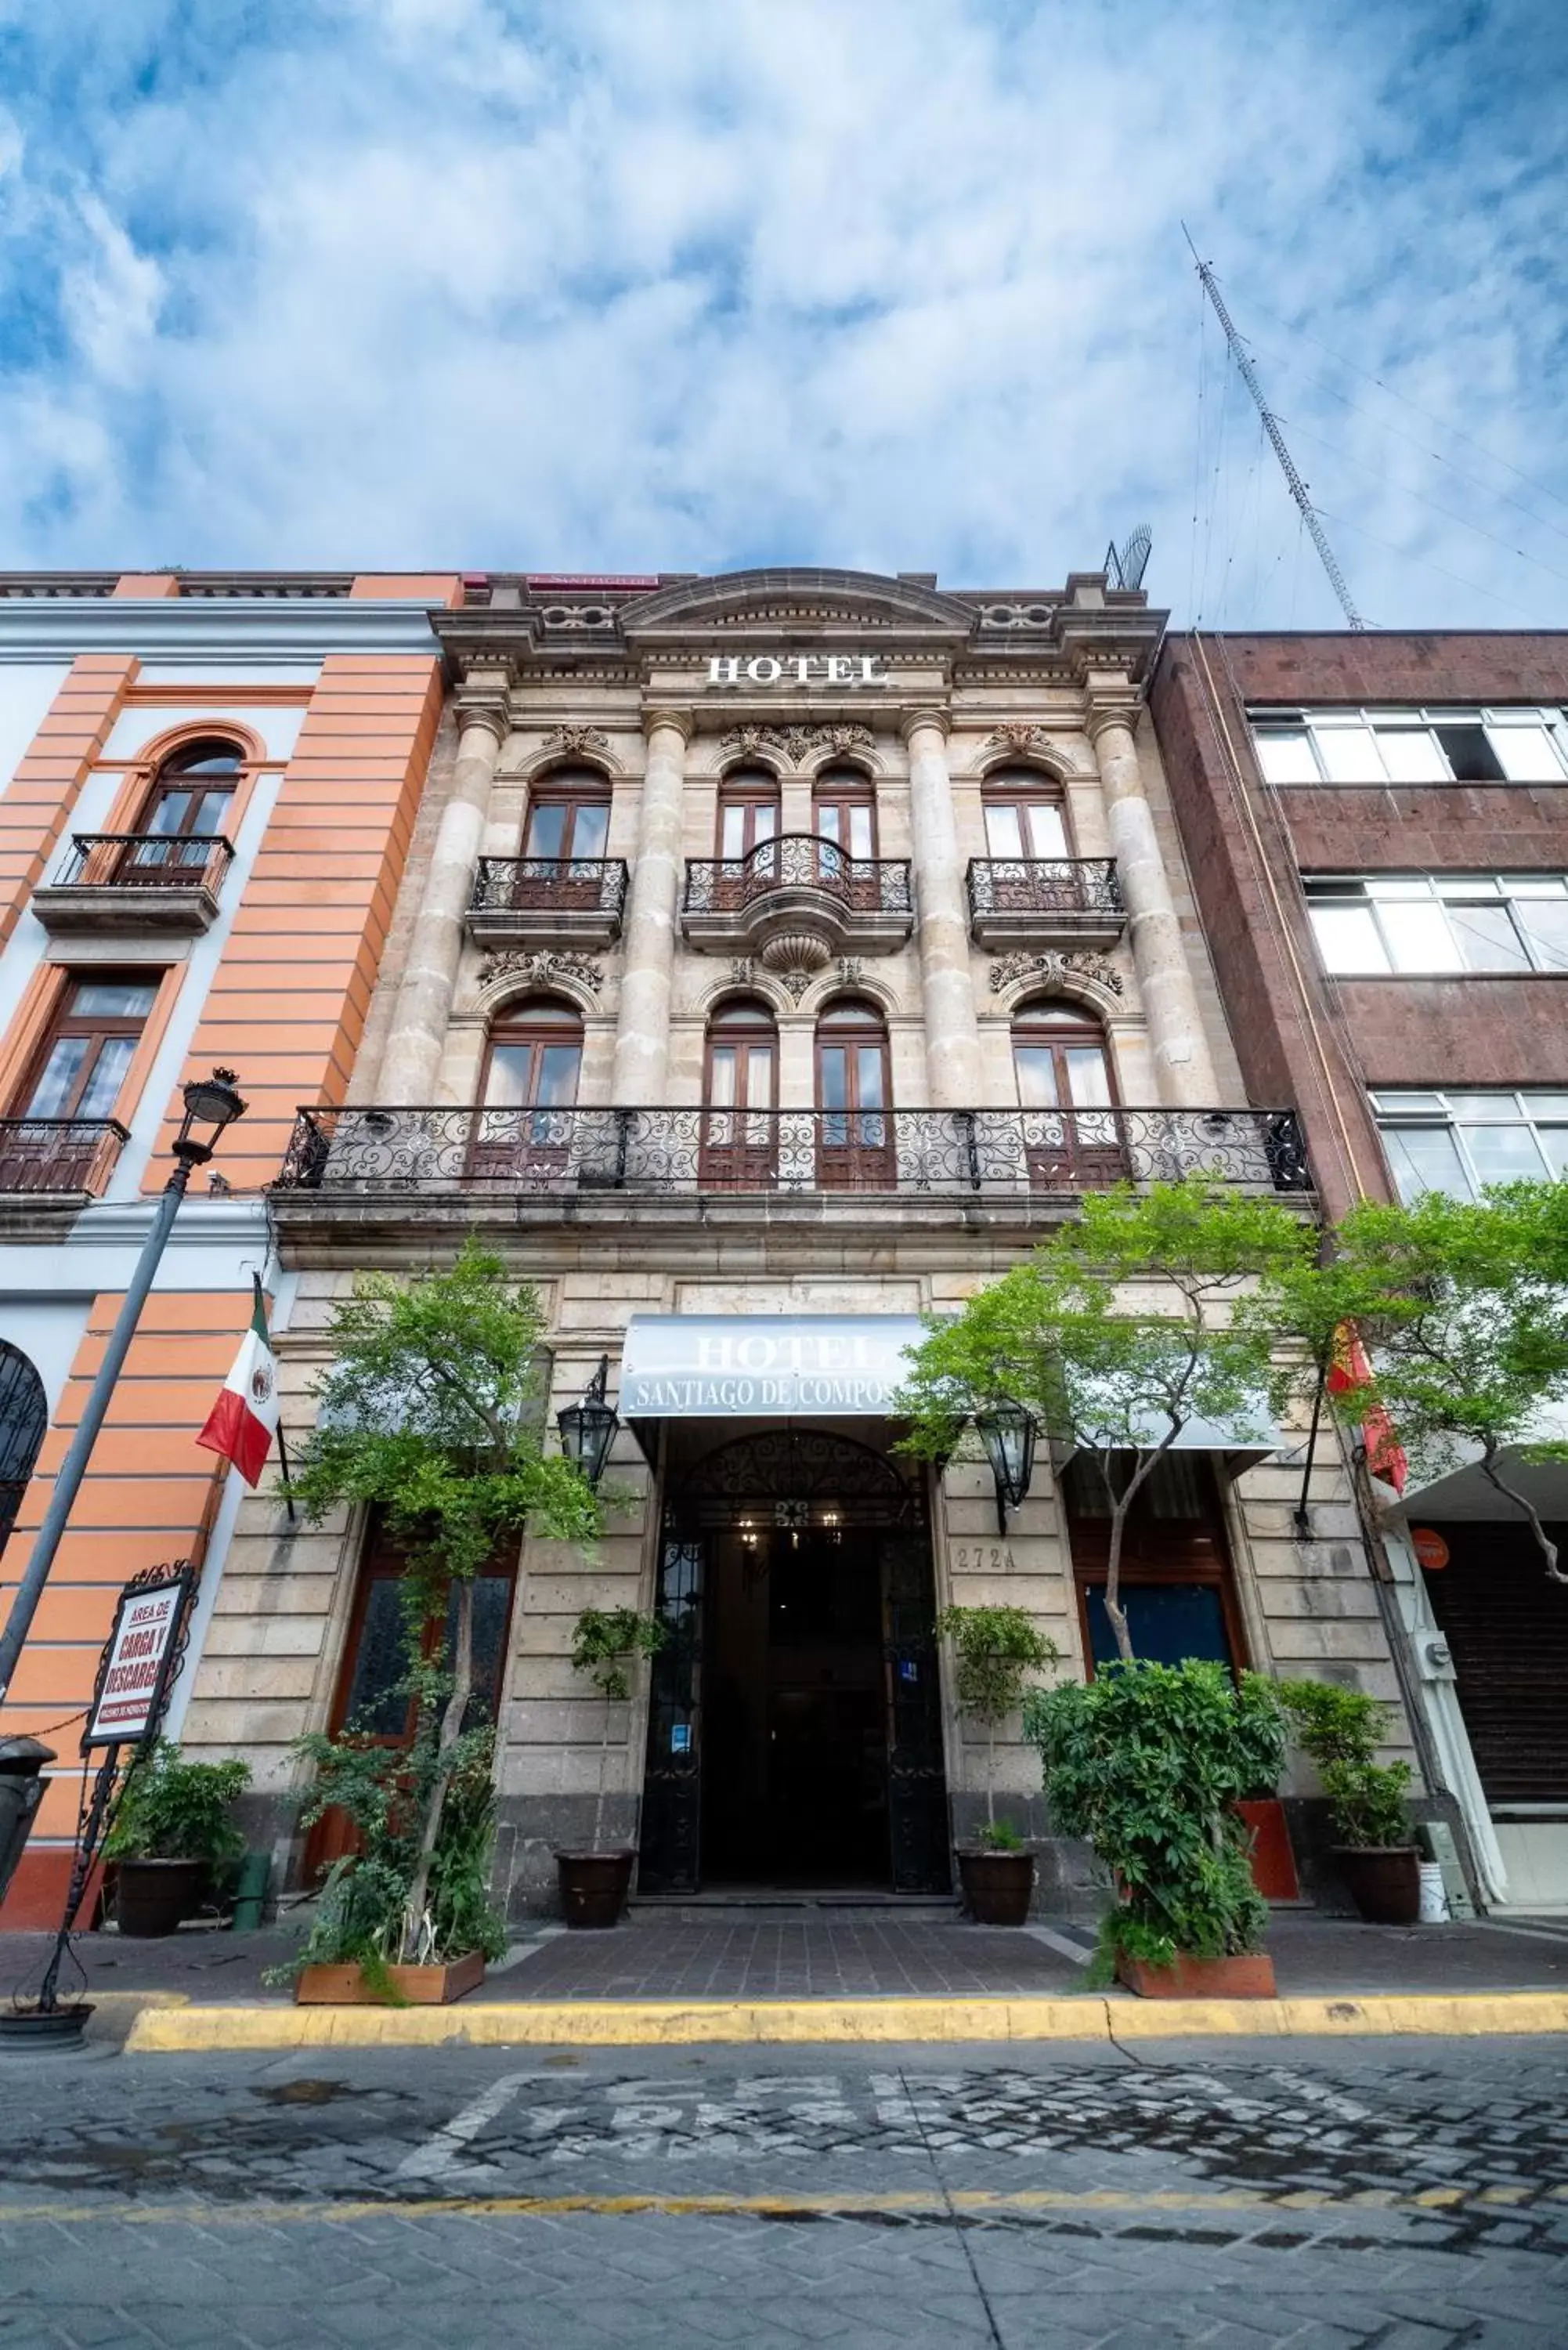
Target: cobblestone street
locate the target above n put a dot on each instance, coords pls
(1367, 2193)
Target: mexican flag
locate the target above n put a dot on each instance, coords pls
(240, 1423)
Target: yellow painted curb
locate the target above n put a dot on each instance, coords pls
(170, 2030)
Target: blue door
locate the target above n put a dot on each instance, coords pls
(1169, 1622)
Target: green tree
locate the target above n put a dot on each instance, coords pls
(1117, 1334)
(607, 1645)
(429, 1415)
(1462, 1306)
(993, 1649)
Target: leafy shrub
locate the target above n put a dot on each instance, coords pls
(1340, 1728)
(993, 1649)
(1147, 1763)
(175, 1810)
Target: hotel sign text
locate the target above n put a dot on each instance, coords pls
(709, 1366)
(797, 669)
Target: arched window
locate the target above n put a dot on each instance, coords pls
(24, 1418)
(854, 1095)
(1025, 816)
(739, 1093)
(189, 805)
(748, 811)
(843, 806)
(523, 1132)
(568, 814)
(1066, 1090)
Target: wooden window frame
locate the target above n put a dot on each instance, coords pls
(748, 788)
(60, 1022)
(552, 1026)
(574, 789)
(846, 789)
(997, 790)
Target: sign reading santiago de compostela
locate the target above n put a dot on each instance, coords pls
(797, 669)
(715, 1366)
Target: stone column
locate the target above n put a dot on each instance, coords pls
(941, 930)
(418, 1042)
(639, 1074)
(1182, 1064)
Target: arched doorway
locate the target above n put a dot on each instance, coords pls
(528, 1092)
(739, 1149)
(795, 1725)
(24, 1421)
(1066, 1090)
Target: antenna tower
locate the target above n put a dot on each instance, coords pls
(1296, 485)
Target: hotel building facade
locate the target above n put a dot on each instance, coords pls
(757, 963)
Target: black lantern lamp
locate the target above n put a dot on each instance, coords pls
(587, 1428)
(1007, 1431)
(211, 1103)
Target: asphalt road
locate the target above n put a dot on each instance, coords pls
(1347, 2193)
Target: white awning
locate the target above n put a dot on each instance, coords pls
(764, 1367)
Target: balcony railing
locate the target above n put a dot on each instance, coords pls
(798, 861)
(999, 1153)
(145, 860)
(58, 1154)
(549, 885)
(1044, 885)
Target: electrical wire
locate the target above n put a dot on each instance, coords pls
(1424, 562)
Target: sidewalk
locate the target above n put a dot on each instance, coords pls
(681, 1977)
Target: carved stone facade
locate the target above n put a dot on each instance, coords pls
(666, 1198)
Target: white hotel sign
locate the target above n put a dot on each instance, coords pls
(719, 1366)
(797, 669)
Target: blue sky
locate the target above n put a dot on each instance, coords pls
(684, 284)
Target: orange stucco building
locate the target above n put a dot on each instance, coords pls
(207, 789)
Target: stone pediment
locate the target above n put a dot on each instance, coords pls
(734, 603)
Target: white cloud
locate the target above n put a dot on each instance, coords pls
(678, 284)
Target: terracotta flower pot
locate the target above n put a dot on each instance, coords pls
(594, 1887)
(151, 1896)
(1251, 1977)
(1385, 1881)
(997, 1886)
(418, 1986)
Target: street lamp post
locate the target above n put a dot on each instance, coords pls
(1007, 1431)
(211, 1102)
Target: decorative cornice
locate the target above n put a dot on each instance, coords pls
(1053, 969)
(795, 745)
(540, 970)
(207, 630)
(576, 743)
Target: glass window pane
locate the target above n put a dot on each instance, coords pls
(1503, 1154)
(1553, 1142)
(1418, 937)
(558, 1076)
(1347, 937)
(1350, 754)
(102, 1088)
(1003, 830)
(1036, 1066)
(170, 814)
(507, 1084)
(834, 1077)
(57, 1078)
(721, 1078)
(546, 829)
(827, 827)
(1487, 937)
(868, 1072)
(590, 828)
(1527, 754)
(378, 1707)
(732, 841)
(1088, 1079)
(1423, 1158)
(860, 831)
(213, 812)
(112, 999)
(1285, 755)
(1047, 833)
(767, 820)
(1540, 1105)
(1411, 755)
(760, 1077)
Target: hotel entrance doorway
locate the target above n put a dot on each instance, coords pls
(794, 1727)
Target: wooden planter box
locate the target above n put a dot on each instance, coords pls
(419, 1986)
(1249, 1978)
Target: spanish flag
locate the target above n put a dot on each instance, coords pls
(242, 1423)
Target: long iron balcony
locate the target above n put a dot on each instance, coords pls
(548, 900)
(60, 1155)
(995, 1153)
(136, 880)
(1045, 901)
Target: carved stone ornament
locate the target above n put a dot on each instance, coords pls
(576, 742)
(1051, 969)
(1020, 740)
(795, 745)
(540, 970)
(742, 968)
(795, 957)
(849, 970)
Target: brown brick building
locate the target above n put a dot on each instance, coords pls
(1377, 831)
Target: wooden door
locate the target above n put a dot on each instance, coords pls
(1073, 1136)
(739, 1145)
(854, 1100)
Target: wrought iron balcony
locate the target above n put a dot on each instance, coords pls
(800, 888)
(61, 1155)
(997, 1153)
(548, 900)
(135, 882)
(1046, 901)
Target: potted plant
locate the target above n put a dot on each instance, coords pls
(174, 1828)
(1147, 1761)
(993, 1649)
(608, 1646)
(367, 1944)
(1339, 1727)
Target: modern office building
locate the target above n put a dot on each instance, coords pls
(1377, 828)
